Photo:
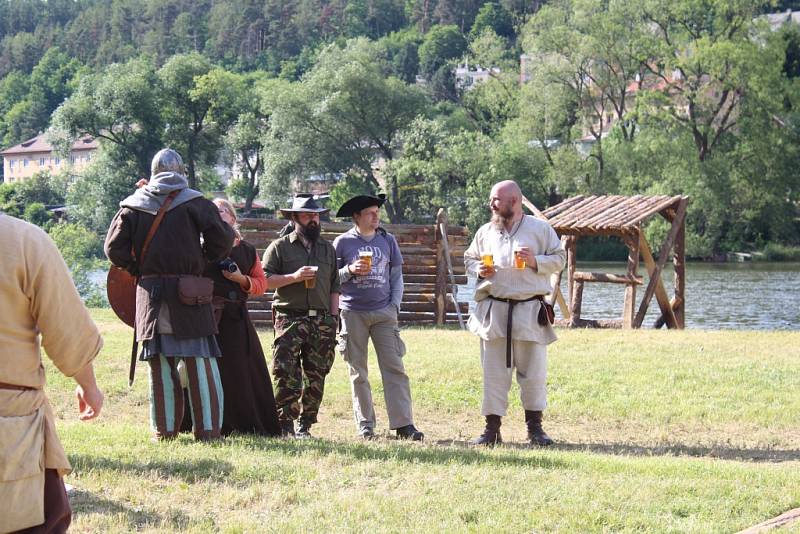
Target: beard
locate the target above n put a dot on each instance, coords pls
(310, 231)
(501, 219)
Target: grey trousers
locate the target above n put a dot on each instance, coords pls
(381, 326)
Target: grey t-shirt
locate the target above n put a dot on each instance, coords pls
(372, 291)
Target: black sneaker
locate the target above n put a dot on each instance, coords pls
(303, 431)
(287, 429)
(410, 432)
(366, 433)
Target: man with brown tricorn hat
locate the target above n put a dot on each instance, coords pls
(371, 272)
(302, 266)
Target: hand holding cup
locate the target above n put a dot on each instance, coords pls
(524, 258)
(486, 269)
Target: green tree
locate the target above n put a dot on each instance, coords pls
(495, 17)
(185, 109)
(441, 44)
(120, 107)
(80, 249)
(343, 117)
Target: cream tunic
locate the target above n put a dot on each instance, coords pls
(40, 305)
(488, 321)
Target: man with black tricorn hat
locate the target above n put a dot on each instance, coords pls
(302, 266)
(371, 272)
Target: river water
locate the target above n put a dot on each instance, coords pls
(741, 296)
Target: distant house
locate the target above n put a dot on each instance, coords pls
(778, 20)
(36, 155)
(469, 76)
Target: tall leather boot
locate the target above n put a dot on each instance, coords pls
(536, 435)
(491, 434)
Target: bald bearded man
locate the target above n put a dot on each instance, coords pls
(509, 316)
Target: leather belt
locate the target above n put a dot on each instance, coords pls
(149, 276)
(306, 313)
(14, 387)
(510, 321)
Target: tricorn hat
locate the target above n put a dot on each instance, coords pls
(304, 203)
(358, 203)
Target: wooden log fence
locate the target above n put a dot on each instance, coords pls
(429, 289)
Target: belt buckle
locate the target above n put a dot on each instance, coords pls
(312, 313)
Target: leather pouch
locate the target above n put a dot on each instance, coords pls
(195, 290)
(547, 315)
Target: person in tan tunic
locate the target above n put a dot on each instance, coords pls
(41, 307)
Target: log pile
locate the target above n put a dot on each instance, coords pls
(422, 275)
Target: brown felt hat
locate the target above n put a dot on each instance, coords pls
(304, 203)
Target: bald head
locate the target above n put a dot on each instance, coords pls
(508, 188)
(505, 201)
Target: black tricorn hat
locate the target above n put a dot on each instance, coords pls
(358, 203)
(304, 203)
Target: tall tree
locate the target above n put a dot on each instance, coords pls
(343, 117)
(185, 109)
(118, 106)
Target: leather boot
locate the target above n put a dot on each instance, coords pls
(536, 435)
(303, 430)
(287, 428)
(491, 434)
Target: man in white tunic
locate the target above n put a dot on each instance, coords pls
(509, 315)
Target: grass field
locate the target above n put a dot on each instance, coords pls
(657, 432)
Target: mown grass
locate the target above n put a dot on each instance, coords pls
(658, 432)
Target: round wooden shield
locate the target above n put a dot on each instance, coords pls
(121, 290)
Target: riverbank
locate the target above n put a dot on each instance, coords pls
(692, 431)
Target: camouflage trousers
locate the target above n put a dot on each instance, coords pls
(302, 356)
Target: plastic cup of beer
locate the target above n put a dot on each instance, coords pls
(488, 260)
(366, 256)
(311, 283)
(519, 261)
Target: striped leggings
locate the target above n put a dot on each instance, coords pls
(166, 397)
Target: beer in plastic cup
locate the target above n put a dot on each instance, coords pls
(366, 255)
(311, 283)
(488, 260)
(519, 263)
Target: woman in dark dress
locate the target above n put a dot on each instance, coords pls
(249, 405)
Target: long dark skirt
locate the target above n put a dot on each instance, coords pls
(249, 400)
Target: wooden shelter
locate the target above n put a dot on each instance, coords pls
(428, 250)
(623, 217)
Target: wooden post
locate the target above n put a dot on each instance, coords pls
(655, 276)
(679, 262)
(575, 303)
(440, 293)
(570, 246)
(661, 293)
(452, 287)
(629, 307)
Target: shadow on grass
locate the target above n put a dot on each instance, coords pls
(721, 452)
(412, 453)
(186, 470)
(85, 502)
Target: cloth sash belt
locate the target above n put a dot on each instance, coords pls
(510, 321)
(3, 385)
